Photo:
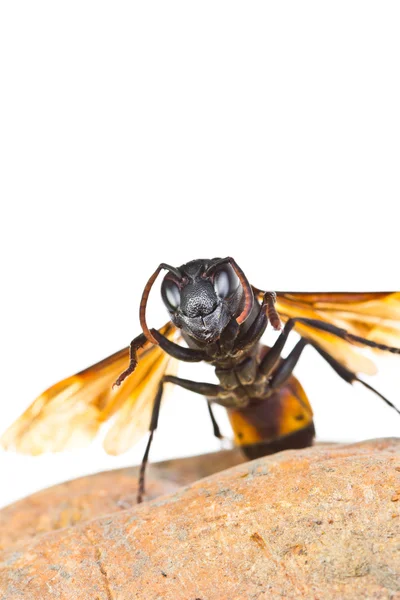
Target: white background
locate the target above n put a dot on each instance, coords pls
(134, 133)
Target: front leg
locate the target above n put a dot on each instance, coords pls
(177, 351)
(273, 355)
(258, 327)
(174, 350)
(135, 345)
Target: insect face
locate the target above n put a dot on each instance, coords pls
(203, 299)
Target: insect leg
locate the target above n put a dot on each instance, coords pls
(216, 429)
(255, 331)
(206, 389)
(153, 426)
(210, 390)
(349, 376)
(343, 334)
(285, 369)
(273, 355)
(174, 350)
(258, 327)
(136, 343)
(268, 302)
(177, 351)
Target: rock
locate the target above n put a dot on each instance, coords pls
(320, 523)
(82, 499)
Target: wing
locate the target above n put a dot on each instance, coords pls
(69, 414)
(374, 316)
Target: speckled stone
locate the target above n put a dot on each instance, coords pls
(321, 523)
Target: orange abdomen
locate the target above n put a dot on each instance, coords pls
(281, 421)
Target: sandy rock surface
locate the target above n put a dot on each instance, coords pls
(88, 497)
(319, 523)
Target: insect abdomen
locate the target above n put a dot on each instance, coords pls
(283, 420)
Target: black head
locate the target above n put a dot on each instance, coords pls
(203, 296)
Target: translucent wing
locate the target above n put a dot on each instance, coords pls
(375, 316)
(132, 420)
(70, 413)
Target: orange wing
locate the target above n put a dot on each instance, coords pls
(372, 315)
(69, 414)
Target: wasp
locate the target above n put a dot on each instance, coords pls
(221, 318)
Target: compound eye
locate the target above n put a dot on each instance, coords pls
(171, 294)
(226, 282)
